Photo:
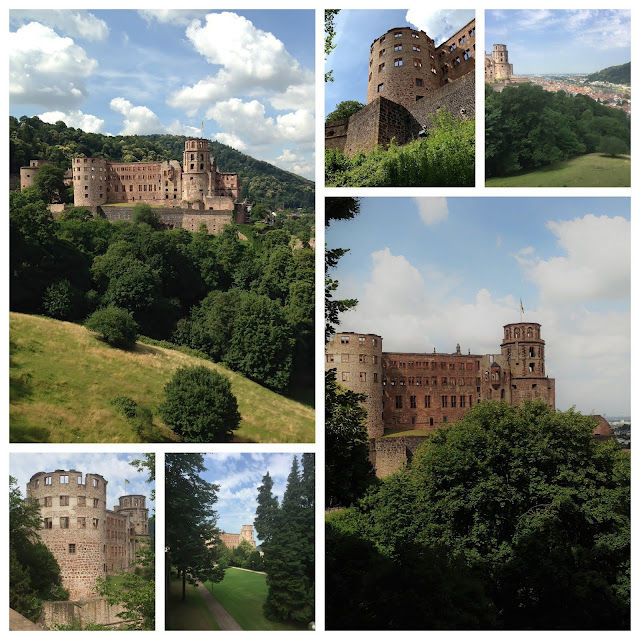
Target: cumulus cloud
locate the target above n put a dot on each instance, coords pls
(439, 24)
(74, 23)
(230, 140)
(140, 120)
(597, 264)
(251, 60)
(75, 119)
(171, 16)
(432, 210)
(47, 69)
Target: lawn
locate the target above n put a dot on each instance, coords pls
(591, 170)
(62, 379)
(394, 433)
(192, 614)
(242, 594)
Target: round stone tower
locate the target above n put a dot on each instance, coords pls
(524, 349)
(138, 514)
(357, 359)
(402, 66)
(246, 533)
(502, 68)
(74, 511)
(196, 170)
(89, 181)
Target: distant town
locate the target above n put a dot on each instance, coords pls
(616, 96)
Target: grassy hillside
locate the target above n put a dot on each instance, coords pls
(620, 74)
(62, 380)
(591, 170)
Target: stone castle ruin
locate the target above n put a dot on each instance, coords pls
(88, 540)
(496, 65)
(410, 79)
(421, 391)
(232, 540)
(186, 196)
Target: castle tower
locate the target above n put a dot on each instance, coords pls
(197, 172)
(74, 513)
(501, 67)
(134, 507)
(402, 66)
(90, 177)
(523, 351)
(246, 533)
(357, 359)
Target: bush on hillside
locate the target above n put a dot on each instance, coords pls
(117, 326)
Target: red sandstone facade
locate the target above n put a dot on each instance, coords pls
(420, 391)
(87, 539)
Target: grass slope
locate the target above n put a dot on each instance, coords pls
(192, 614)
(590, 170)
(62, 379)
(242, 594)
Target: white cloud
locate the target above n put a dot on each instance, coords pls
(171, 16)
(140, 120)
(46, 69)
(74, 23)
(439, 24)
(230, 140)
(432, 210)
(75, 119)
(597, 265)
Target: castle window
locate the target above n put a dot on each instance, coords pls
(381, 87)
(427, 402)
(72, 548)
(418, 381)
(361, 339)
(344, 339)
(397, 62)
(444, 418)
(48, 523)
(48, 501)
(201, 167)
(398, 402)
(415, 35)
(375, 359)
(532, 352)
(95, 523)
(82, 523)
(95, 503)
(467, 54)
(532, 367)
(330, 357)
(415, 48)
(452, 47)
(393, 382)
(47, 480)
(453, 402)
(445, 399)
(398, 34)
(417, 63)
(462, 402)
(461, 40)
(362, 358)
(37, 483)
(363, 376)
(383, 52)
(374, 341)
(502, 394)
(413, 419)
(345, 357)
(370, 77)
(130, 187)
(64, 523)
(82, 501)
(398, 47)
(375, 377)
(431, 422)
(472, 32)
(191, 165)
(346, 376)
(383, 38)
(402, 382)
(412, 402)
(381, 67)
(444, 382)
(64, 501)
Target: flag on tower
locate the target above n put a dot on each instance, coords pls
(202, 129)
(126, 481)
(521, 307)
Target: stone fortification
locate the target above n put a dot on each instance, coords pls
(409, 80)
(496, 64)
(232, 540)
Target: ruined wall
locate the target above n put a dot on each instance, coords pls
(390, 454)
(335, 134)
(457, 56)
(232, 540)
(96, 611)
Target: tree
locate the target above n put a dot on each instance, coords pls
(191, 533)
(348, 470)
(117, 326)
(135, 592)
(148, 463)
(329, 34)
(344, 110)
(266, 519)
(199, 405)
(612, 146)
(533, 506)
(143, 214)
(49, 181)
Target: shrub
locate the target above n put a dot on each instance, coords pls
(126, 406)
(199, 405)
(117, 326)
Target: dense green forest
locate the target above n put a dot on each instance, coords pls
(248, 304)
(527, 128)
(620, 74)
(31, 139)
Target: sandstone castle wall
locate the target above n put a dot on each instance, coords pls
(232, 540)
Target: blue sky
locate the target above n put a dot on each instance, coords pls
(248, 75)
(357, 29)
(239, 476)
(113, 467)
(555, 41)
(432, 272)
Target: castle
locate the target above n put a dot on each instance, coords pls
(232, 540)
(420, 391)
(409, 80)
(186, 197)
(496, 65)
(88, 540)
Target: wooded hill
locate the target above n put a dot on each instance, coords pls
(620, 74)
(30, 138)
